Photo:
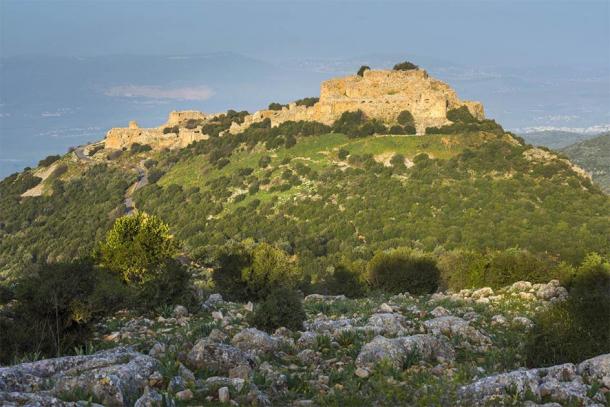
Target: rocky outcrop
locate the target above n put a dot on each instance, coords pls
(113, 377)
(216, 356)
(397, 350)
(123, 137)
(567, 384)
(381, 95)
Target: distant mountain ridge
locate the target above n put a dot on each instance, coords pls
(594, 156)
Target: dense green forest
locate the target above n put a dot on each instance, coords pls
(322, 196)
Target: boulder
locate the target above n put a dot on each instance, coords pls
(455, 326)
(255, 341)
(115, 377)
(180, 311)
(565, 384)
(597, 368)
(388, 324)
(216, 356)
(397, 350)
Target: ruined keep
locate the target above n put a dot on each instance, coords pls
(380, 94)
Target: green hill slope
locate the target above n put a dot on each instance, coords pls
(594, 156)
(323, 198)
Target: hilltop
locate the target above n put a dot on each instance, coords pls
(381, 244)
(594, 156)
(363, 183)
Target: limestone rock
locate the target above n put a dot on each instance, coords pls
(150, 398)
(396, 350)
(253, 340)
(180, 311)
(387, 324)
(112, 376)
(565, 384)
(216, 356)
(223, 395)
(452, 326)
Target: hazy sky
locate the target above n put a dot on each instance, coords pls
(518, 33)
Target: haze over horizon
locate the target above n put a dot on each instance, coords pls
(70, 70)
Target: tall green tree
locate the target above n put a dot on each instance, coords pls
(136, 245)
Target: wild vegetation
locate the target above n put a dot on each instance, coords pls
(399, 230)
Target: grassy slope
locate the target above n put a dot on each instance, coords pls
(318, 153)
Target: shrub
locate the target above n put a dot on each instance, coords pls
(139, 148)
(401, 270)
(113, 155)
(283, 307)
(362, 69)
(45, 162)
(229, 261)
(307, 101)
(174, 129)
(155, 175)
(349, 122)
(397, 130)
(55, 305)
(346, 282)
(276, 106)
(148, 164)
(290, 141)
(264, 161)
(342, 154)
(461, 115)
(59, 171)
(167, 285)
(135, 246)
(507, 266)
(398, 161)
(405, 66)
(270, 268)
(405, 118)
(578, 328)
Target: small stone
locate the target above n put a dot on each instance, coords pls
(498, 320)
(385, 308)
(180, 311)
(217, 315)
(157, 350)
(249, 306)
(523, 321)
(361, 373)
(184, 395)
(223, 395)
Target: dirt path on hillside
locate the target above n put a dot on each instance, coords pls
(43, 173)
(140, 182)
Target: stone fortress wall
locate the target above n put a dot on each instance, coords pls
(380, 94)
(124, 137)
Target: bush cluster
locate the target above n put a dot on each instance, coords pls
(405, 66)
(45, 162)
(282, 307)
(498, 268)
(362, 69)
(139, 148)
(250, 272)
(578, 328)
(308, 102)
(401, 270)
(355, 124)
